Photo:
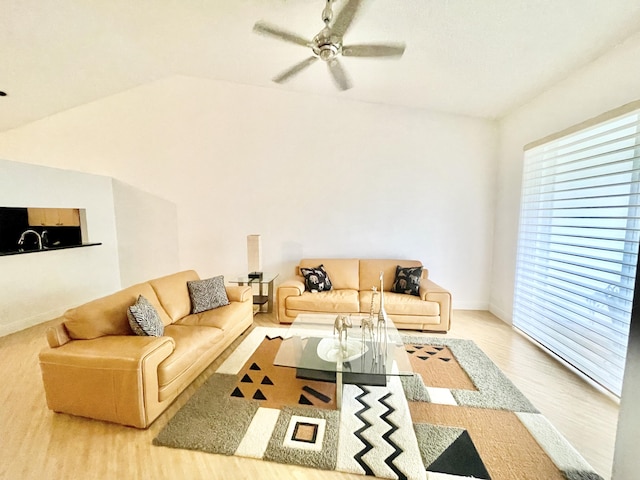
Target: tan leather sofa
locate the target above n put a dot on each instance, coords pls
(352, 280)
(97, 367)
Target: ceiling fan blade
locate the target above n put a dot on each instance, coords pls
(297, 68)
(373, 50)
(345, 17)
(338, 74)
(265, 29)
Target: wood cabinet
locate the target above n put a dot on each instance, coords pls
(69, 217)
(54, 217)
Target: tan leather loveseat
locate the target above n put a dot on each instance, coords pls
(352, 280)
(97, 367)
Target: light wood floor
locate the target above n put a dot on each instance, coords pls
(37, 444)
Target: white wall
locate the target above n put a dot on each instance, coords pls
(36, 287)
(138, 232)
(314, 176)
(147, 233)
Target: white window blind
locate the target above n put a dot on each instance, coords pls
(578, 246)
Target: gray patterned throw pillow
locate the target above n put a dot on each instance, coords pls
(144, 319)
(407, 280)
(207, 294)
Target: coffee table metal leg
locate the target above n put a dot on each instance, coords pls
(339, 385)
(270, 293)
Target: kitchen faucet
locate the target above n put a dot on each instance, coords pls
(21, 240)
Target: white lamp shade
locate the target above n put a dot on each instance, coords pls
(254, 253)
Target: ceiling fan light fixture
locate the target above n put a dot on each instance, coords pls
(326, 54)
(327, 51)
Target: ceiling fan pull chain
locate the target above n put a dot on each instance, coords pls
(327, 13)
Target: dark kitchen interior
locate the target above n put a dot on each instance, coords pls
(14, 226)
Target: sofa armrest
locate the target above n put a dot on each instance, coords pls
(432, 292)
(112, 378)
(289, 288)
(57, 335)
(237, 293)
(295, 285)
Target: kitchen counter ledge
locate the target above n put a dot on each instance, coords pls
(64, 247)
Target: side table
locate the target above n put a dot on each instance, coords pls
(261, 299)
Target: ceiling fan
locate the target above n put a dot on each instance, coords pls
(327, 44)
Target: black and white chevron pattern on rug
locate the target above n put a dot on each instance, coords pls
(376, 433)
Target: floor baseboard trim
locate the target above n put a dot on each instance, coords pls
(470, 306)
(501, 314)
(25, 323)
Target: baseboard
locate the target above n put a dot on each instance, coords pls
(470, 306)
(25, 323)
(501, 314)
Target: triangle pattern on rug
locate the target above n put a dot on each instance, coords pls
(266, 381)
(237, 393)
(246, 379)
(254, 366)
(435, 439)
(304, 400)
(461, 458)
(259, 395)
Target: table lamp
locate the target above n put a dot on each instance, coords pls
(254, 256)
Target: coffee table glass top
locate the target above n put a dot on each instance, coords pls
(310, 344)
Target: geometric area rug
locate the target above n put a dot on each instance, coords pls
(457, 417)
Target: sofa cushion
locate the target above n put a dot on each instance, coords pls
(108, 315)
(191, 343)
(207, 294)
(173, 293)
(339, 301)
(407, 280)
(225, 318)
(144, 319)
(343, 272)
(370, 272)
(399, 304)
(316, 279)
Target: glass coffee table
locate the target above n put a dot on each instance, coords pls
(365, 356)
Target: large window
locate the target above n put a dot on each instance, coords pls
(578, 246)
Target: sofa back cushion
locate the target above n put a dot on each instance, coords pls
(108, 315)
(343, 272)
(173, 294)
(370, 272)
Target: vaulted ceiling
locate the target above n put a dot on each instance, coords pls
(472, 57)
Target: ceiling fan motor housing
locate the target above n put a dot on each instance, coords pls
(326, 46)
